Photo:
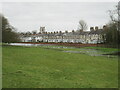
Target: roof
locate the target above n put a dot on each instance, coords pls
(100, 31)
(96, 32)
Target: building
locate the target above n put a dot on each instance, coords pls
(92, 37)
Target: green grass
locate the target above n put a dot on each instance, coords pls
(39, 67)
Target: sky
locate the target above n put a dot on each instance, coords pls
(56, 16)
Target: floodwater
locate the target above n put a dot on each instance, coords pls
(45, 45)
(91, 52)
(23, 44)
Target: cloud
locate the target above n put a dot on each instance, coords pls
(63, 16)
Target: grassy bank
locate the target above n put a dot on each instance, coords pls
(39, 67)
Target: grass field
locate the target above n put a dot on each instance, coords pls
(40, 67)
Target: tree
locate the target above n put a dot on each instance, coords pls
(112, 33)
(115, 14)
(34, 32)
(82, 25)
(9, 33)
(27, 33)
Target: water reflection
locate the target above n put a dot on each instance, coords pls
(91, 52)
(23, 44)
(43, 45)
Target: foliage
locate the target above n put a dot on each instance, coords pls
(112, 33)
(9, 33)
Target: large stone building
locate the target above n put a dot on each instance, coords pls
(93, 36)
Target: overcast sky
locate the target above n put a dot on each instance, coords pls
(56, 16)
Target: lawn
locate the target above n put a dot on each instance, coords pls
(41, 67)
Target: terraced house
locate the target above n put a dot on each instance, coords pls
(95, 35)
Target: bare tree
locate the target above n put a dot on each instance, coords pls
(112, 33)
(82, 25)
(119, 8)
(115, 14)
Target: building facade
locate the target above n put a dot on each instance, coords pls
(93, 36)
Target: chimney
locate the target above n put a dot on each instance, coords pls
(96, 28)
(104, 27)
(60, 31)
(73, 31)
(66, 31)
(91, 28)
